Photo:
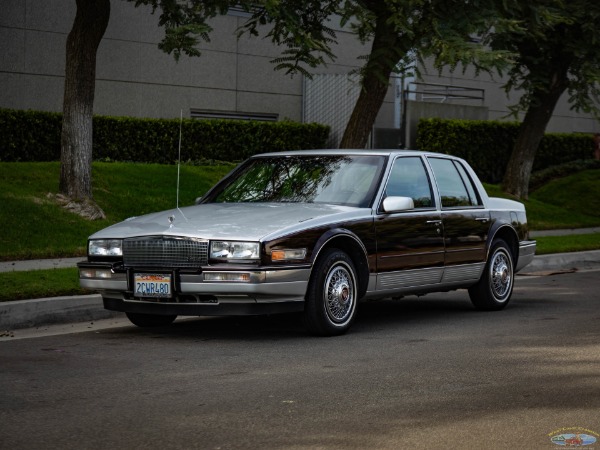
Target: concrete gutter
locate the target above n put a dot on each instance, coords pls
(82, 308)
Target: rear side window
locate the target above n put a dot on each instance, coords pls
(455, 186)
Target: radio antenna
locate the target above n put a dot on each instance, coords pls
(179, 156)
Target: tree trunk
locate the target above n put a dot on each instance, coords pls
(89, 26)
(384, 56)
(531, 132)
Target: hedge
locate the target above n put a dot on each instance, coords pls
(35, 136)
(487, 145)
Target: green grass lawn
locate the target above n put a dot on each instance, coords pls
(569, 202)
(40, 284)
(563, 244)
(34, 226)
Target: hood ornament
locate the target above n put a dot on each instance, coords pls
(171, 220)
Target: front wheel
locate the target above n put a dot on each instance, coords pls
(150, 320)
(492, 292)
(332, 294)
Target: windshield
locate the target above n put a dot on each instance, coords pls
(339, 179)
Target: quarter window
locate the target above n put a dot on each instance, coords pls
(455, 186)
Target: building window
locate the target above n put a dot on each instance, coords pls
(231, 115)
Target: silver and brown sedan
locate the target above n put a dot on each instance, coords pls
(314, 232)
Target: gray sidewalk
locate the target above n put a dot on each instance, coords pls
(81, 308)
(565, 232)
(39, 264)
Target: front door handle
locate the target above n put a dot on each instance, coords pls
(437, 223)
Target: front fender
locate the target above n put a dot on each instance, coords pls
(349, 242)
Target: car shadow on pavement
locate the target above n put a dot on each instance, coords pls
(372, 317)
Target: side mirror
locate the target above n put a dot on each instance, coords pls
(198, 200)
(395, 204)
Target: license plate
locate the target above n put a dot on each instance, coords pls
(152, 285)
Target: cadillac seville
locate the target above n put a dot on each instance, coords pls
(314, 232)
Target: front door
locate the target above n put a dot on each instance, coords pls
(410, 244)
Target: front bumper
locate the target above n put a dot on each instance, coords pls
(266, 291)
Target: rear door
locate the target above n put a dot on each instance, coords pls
(466, 222)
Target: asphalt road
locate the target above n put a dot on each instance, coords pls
(419, 373)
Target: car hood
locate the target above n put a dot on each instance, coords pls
(235, 221)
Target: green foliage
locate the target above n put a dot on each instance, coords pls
(27, 133)
(35, 136)
(401, 31)
(487, 145)
(186, 23)
(301, 26)
(556, 45)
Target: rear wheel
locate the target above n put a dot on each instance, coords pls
(492, 292)
(332, 294)
(150, 320)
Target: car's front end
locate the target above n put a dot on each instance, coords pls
(181, 275)
(246, 248)
(174, 263)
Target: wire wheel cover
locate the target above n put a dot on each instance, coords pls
(501, 275)
(339, 294)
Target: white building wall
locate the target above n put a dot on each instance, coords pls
(497, 101)
(135, 78)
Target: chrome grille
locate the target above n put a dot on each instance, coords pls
(165, 252)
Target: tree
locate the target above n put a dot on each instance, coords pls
(557, 47)
(89, 26)
(185, 24)
(399, 30)
(395, 27)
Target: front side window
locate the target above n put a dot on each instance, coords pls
(455, 186)
(336, 179)
(409, 179)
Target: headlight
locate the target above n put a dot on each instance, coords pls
(105, 247)
(235, 251)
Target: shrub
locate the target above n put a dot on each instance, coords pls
(35, 136)
(29, 135)
(487, 145)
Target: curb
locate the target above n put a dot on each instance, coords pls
(562, 261)
(83, 308)
(50, 311)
